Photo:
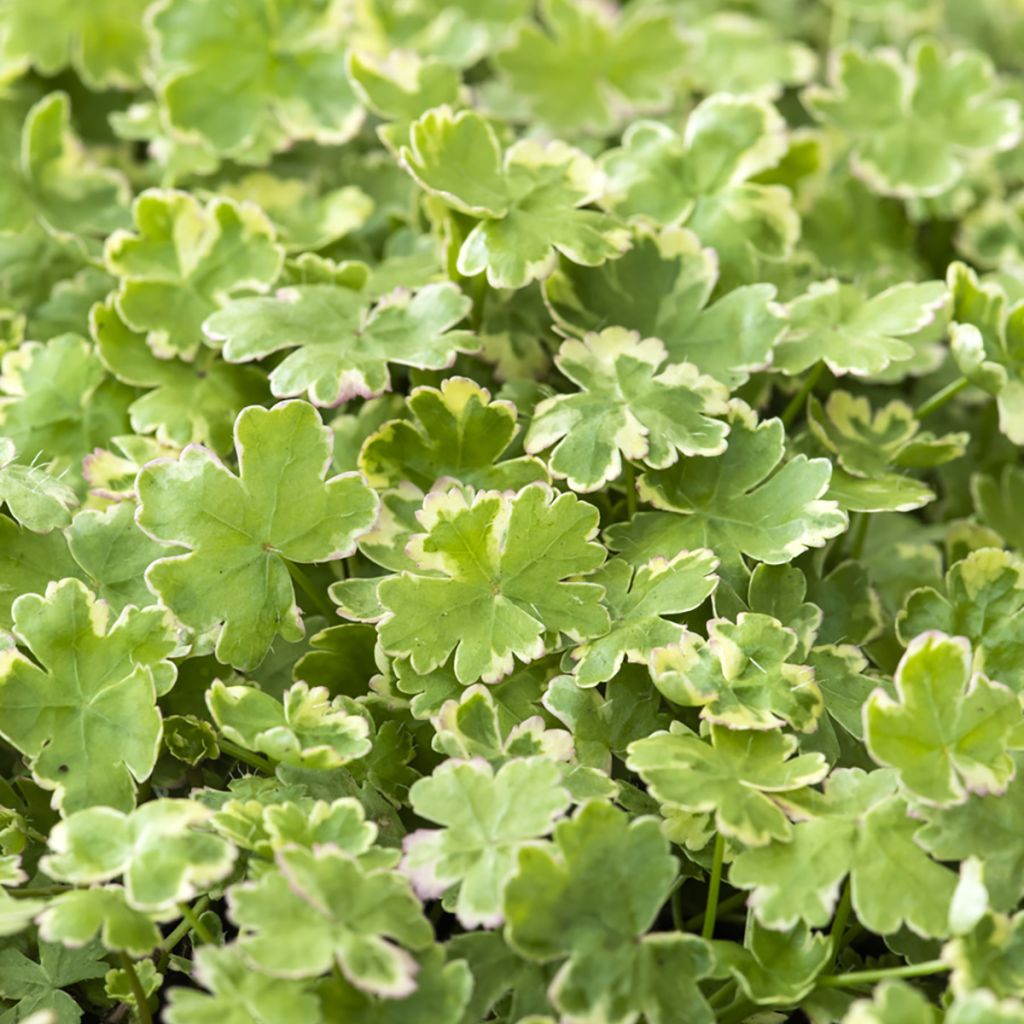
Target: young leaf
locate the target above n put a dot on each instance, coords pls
(526, 202)
(34, 497)
(37, 986)
(625, 407)
(243, 530)
(947, 732)
(87, 719)
(342, 344)
(488, 817)
(491, 581)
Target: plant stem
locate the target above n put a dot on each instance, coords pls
(723, 996)
(796, 403)
(196, 925)
(138, 992)
(737, 899)
(941, 397)
(858, 534)
(629, 480)
(261, 764)
(738, 1012)
(842, 915)
(182, 929)
(306, 586)
(855, 978)
(38, 890)
(711, 909)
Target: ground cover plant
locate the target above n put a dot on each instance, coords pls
(510, 512)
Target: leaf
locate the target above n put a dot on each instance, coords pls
(746, 501)
(274, 94)
(638, 601)
(77, 916)
(701, 179)
(741, 677)
(589, 900)
(894, 1002)
(34, 497)
(915, 122)
(87, 719)
(321, 907)
(184, 403)
(592, 68)
(661, 287)
(305, 728)
(983, 599)
(184, 261)
(342, 345)
(51, 181)
(239, 995)
(243, 530)
(625, 407)
(851, 332)
(158, 848)
(58, 403)
(488, 817)
(733, 776)
(526, 201)
(984, 827)
(500, 563)
(456, 431)
(988, 957)
(859, 827)
(36, 986)
(947, 731)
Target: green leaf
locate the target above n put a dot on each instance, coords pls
(87, 719)
(304, 728)
(990, 956)
(456, 431)
(894, 1002)
(638, 599)
(527, 201)
(184, 403)
(36, 986)
(58, 403)
(34, 497)
(244, 530)
(588, 900)
(741, 676)
(104, 42)
(859, 827)
(322, 907)
(286, 81)
(984, 827)
(51, 181)
(593, 67)
(914, 123)
(746, 501)
(500, 564)
(702, 178)
(625, 407)
(184, 261)
(342, 345)
(947, 731)
(76, 917)
(734, 776)
(661, 288)
(851, 332)
(488, 817)
(239, 995)
(158, 848)
(984, 602)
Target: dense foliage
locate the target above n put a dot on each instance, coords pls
(511, 511)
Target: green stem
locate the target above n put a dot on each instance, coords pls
(195, 923)
(306, 586)
(842, 915)
(737, 899)
(859, 534)
(723, 996)
(629, 480)
(182, 929)
(941, 397)
(711, 909)
(839, 27)
(856, 978)
(261, 764)
(38, 890)
(678, 921)
(138, 992)
(796, 403)
(738, 1012)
